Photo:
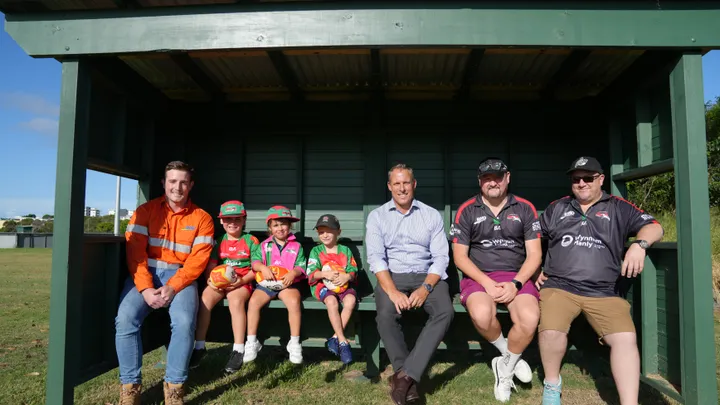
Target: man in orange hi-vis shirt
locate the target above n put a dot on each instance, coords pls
(169, 240)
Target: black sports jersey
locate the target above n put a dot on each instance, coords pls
(496, 243)
(585, 251)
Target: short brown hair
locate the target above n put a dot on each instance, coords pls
(179, 165)
(401, 166)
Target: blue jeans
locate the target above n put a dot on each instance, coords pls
(131, 314)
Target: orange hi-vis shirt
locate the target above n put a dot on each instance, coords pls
(159, 238)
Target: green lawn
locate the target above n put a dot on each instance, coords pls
(24, 299)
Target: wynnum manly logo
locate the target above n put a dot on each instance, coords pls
(581, 162)
(513, 217)
(231, 208)
(603, 214)
(325, 219)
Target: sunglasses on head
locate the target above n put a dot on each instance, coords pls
(586, 179)
(494, 165)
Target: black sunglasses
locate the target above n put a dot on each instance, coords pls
(494, 165)
(586, 179)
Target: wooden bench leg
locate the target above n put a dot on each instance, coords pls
(371, 344)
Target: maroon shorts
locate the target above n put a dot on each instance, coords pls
(321, 293)
(469, 286)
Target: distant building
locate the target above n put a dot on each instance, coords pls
(92, 212)
(123, 212)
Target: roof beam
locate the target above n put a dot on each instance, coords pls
(647, 70)
(286, 74)
(471, 69)
(635, 25)
(127, 4)
(188, 65)
(569, 66)
(130, 82)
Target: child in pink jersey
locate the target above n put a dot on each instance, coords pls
(280, 249)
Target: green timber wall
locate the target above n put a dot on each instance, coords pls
(333, 157)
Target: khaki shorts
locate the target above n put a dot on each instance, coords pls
(607, 315)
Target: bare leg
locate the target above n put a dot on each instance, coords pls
(625, 365)
(237, 299)
(210, 298)
(482, 310)
(552, 350)
(348, 307)
(525, 314)
(334, 314)
(257, 301)
(291, 298)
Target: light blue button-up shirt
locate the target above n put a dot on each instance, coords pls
(413, 242)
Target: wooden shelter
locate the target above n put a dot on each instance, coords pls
(307, 104)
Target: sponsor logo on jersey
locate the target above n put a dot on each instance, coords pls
(513, 217)
(479, 220)
(603, 214)
(567, 214)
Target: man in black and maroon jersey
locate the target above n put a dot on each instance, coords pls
(586, 235)
(496, 245)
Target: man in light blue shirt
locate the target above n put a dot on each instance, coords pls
(408, 252)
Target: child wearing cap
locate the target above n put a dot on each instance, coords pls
(330, 251)
(235, 248)
(280, 249)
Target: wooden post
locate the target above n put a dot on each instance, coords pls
(643, 129)
(67, 257)
(693, 228)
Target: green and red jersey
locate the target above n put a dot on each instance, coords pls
(236, 253)
(319, 257)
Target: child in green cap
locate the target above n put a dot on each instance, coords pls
(235, 248)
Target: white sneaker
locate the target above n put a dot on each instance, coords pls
(251, 351)
(522, 371)
(295, 350)
(503, 383)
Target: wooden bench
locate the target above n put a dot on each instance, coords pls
(362, 328)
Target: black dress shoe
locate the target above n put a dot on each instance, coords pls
(412, 394)
(399, 387)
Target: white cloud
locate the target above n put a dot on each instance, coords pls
(41, 125)
(29, 103)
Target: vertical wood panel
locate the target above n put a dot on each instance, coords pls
(693, 220)
(67, 260)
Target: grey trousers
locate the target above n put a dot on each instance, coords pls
(438, 306)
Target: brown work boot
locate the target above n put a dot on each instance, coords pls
(174, 394)
(130, 394)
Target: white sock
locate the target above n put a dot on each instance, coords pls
(200, 344)
(509, 367)
(501, 344)
(252, 338)
(295, 339)
(239, 347)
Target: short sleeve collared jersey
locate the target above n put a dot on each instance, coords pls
(586, 250)
(496, 243)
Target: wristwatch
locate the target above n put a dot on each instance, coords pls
(643, 243)
(428, 287)
(518, 284)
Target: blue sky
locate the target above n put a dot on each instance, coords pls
(29, 106)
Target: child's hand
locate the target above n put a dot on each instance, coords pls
(235, 285)
(288, 279)
(268, 274)
(212, 286)
(341, 278)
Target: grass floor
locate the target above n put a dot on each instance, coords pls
(24, 300)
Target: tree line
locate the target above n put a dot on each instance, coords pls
(656, 194)
(101, 224)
